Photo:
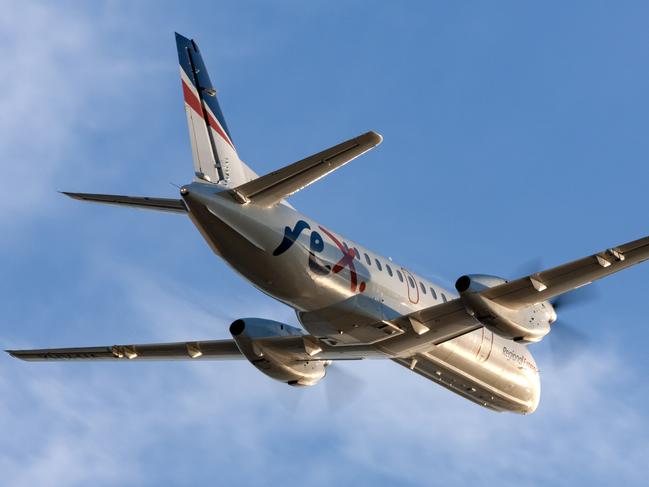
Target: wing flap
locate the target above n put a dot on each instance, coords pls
(144, 202)
(273, 187)
(550, 283)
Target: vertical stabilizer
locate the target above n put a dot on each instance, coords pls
(215, 157)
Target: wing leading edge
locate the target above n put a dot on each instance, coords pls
(273, 187)
(550, 283)
(297, 347)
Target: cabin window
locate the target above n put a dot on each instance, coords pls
(378, 264)
(368, 260)
(423, 288)
(433, 293)
(389, 269)
(444, 297)
(358, 254)
(399, 275)
(411, 282)
(346, 246)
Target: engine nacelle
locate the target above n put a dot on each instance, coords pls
(529, 324)
(477, 282)
(254, 336)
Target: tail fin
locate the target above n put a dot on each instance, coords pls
(215, 157)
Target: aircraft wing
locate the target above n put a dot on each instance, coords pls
(442, 322)
(273, 187)
(205, 350)
(547, 284)
(144, 202)
(296, 347)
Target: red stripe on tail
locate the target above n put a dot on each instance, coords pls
(194, 102)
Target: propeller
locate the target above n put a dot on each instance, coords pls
(341, 387)
(528, 268)
(567, 341)
(578, 297)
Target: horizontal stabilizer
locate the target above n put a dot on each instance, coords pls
(271, 188)
(159, 204)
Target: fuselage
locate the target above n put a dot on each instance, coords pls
(320, 273)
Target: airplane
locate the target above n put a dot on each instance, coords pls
(352, 303)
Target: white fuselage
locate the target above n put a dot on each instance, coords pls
(312, 269)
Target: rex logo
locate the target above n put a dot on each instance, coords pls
(316, 245)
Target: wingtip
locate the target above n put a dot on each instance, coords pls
(74, 196)
(375, 137)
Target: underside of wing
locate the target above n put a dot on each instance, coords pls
(354, 322)
(272, 188)
(298, 348)
(443, 322)
(547, 284)
(205, 350)
(143, 202)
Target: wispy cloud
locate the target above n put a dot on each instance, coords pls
(103, 421)
(225, 423)
(60, 70)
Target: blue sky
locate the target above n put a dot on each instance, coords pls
(513, 130)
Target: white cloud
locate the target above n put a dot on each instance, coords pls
(57, 69)
(99, 419)
(180, 423)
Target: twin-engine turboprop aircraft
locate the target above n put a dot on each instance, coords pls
(352, 302)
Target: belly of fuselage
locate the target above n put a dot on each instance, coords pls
(284, 278)
(490, 370)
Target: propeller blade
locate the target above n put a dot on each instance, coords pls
(528, 268)
(566, 343)
(288, 397)
(578, 297)
(341, 387)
